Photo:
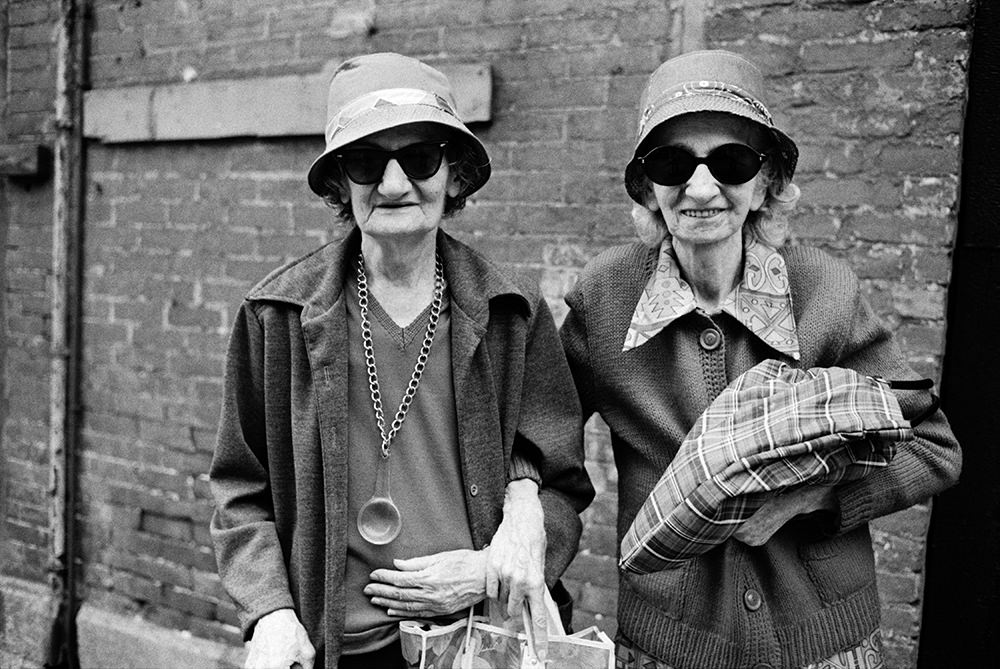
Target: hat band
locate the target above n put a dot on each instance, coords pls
(388, 97)
(701, 88)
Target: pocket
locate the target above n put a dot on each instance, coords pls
(840, 566)
(664, 590)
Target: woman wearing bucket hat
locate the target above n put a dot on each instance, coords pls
(658, 329)
(400, 435)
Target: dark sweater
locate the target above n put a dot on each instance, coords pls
(810, 591)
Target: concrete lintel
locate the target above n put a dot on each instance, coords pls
(257, 107)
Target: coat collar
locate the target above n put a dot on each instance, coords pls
(761, 302)
(315, 281)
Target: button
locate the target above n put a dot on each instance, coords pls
(710, 339)
(751, 600)
(473, 490)
(763, 665)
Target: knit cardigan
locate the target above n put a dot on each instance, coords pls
(808, 592)
(280, 470)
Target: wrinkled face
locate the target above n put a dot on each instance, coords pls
(702, 210)
(397, 204)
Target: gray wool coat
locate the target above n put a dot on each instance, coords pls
(280, 470)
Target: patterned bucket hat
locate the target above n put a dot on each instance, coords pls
(773, 428)
(379, 91)
(700, 81)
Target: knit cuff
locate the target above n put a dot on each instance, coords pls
(522, 468)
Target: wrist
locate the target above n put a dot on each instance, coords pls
(521, 490)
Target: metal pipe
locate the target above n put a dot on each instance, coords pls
(65, 298)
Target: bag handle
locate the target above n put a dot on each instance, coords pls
(914, 384)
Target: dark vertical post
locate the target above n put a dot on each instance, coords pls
(962, 586)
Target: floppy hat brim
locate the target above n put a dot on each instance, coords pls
(392, 116)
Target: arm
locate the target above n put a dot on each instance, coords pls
(247, 550)
(921, 468)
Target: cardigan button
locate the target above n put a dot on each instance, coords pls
(763, 665)
(473, 490)
(710, 339)
(751, 600)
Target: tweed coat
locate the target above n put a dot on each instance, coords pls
(280, 470)
(808, 592)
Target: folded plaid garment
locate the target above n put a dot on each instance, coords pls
(772, 429)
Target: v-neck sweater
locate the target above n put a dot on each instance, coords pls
(424, 461)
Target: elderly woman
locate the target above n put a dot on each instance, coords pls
(400, 435)
(656, 330)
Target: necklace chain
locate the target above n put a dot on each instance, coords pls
(418, 368)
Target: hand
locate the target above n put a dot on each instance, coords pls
(279, 641)
(761, 526)
(431, 585)
(515, 569)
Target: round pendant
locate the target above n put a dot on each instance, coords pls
(379, 521)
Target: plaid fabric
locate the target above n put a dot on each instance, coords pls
(772, 429)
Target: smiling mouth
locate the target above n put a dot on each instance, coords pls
(701, 213)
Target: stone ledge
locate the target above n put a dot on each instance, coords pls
(257, 107)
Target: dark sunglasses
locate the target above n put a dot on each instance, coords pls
(366, 165)
(730, 164)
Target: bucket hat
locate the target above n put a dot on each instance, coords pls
(379, 91)
(772, 429)
(713, 80)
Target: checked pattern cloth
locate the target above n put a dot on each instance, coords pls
(772, 429)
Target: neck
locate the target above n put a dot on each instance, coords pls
(400, 274)
(712, 270)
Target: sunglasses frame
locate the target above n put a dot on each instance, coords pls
(392, 155)
(703, 160)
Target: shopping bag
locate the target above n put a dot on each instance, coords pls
(486, 642)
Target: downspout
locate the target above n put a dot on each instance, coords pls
(67, 214)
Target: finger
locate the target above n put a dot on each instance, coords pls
(515, 597)
(414, 564)
(492, 575)
(540, 624)
(400, 579)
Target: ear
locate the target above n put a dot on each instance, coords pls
(649, 198)
(759, 193)
(454, 185)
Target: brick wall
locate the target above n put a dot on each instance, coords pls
(26, 221)
(175, 232)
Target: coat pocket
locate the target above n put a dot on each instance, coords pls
(840, 566)
(664, 590)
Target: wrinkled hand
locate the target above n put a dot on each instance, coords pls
(431, 585)
(515, 569)
(279, 641)
(761, 526)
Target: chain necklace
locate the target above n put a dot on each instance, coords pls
(418, 369)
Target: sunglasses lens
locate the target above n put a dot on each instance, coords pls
(669, 165)
(364, 166)
(730, 164)
(734, 164)
(421, 161)
(418, 161)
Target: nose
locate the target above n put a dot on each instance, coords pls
(702, 185)
(394, 180)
